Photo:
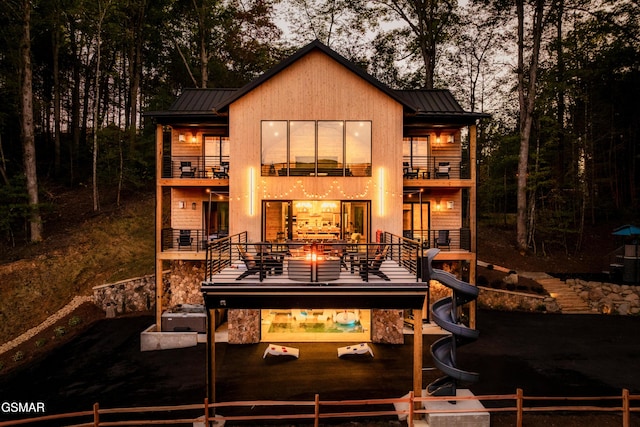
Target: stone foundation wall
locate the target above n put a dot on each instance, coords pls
(127, 296)
(497, 299)
(185, 278)
(386, 326)
(608, 298)
(244, 326)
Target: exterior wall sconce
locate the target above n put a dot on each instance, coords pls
(450, 204)
(437, 137)
(193, 206)
(181, 204)
(450, 139)
(193, 138)
(181, 137)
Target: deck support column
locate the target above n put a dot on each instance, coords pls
(417, 355)
(211, 355)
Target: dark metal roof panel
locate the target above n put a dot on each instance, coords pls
(193, 100)
(432, 101)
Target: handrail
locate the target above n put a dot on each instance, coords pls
(222, 253)
(403, 407)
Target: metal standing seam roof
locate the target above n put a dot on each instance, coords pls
(420, 102)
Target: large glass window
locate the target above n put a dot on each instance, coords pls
(358, 148)
(330, 146)
(302, 148)
(274, 147)
(322, 148)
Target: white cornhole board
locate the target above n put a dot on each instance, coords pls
(361, 348)
(280, 350)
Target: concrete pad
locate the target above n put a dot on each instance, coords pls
(472, 418)
(151, 340)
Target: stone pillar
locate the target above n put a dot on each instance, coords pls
(186, 278)
(244, 326)
(386, 326)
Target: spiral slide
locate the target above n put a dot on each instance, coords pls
(445, 314)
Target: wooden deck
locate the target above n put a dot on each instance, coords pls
(396, 273)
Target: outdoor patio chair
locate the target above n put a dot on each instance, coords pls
(443, 239)
(186, 170)
(443, 170)
(408, 172)
(372, 266)
(185, 239)
(252, 263)
(222, 172)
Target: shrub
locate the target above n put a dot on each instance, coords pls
(41, 342)
(18, 356)
(59, 331)
(75, 321)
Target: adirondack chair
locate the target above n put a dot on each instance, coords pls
(252, 263)
(372, 266)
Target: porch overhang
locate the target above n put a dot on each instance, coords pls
(315, 295)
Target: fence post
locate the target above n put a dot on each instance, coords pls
(316, 418)
(96, 415)
(410, 416)
(519, 406)
(206, 411)
(626, 419)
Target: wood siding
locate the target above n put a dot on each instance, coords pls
(315, 88)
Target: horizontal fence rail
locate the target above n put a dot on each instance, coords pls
(403, 408)
(290, 258)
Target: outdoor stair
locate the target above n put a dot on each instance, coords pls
(568, 300)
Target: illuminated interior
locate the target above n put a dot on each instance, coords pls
(302, 325)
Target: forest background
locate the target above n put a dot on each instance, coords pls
(560, 78)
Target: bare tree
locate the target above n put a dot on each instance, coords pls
(102, 11)
(28, 137)
(527, 80)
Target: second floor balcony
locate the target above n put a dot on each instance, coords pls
(189, 167)
(435, 167)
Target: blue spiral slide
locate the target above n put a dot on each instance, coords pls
(445, 315)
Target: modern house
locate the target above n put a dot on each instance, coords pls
(313, 174)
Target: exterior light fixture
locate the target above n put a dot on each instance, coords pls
(450, 204)
(181, 137)
(193, 206)
(181, 204)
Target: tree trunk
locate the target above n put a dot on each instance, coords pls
(526, 97)
(56, 99)
(28, 138)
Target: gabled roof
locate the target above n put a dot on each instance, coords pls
(199, 104)
(314, 45)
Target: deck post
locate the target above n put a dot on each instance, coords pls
(211, 355)
(417, 355)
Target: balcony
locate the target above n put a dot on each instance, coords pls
(190, 167)
(446, 240)
(435, 167)
(187, 241)
(233, 260)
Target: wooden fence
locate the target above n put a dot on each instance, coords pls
(206, 414)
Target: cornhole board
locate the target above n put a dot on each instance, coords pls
(280, 350)
(361, 348)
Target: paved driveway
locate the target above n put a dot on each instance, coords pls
(543, 354)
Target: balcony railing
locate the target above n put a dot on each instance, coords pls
(442, 239)
(188, 240)
(436, 167)
(233, 258)
(214, 167)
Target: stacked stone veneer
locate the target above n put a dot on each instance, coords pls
(497, 299)
(608, 298)
(127, 296)
(181, 286)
